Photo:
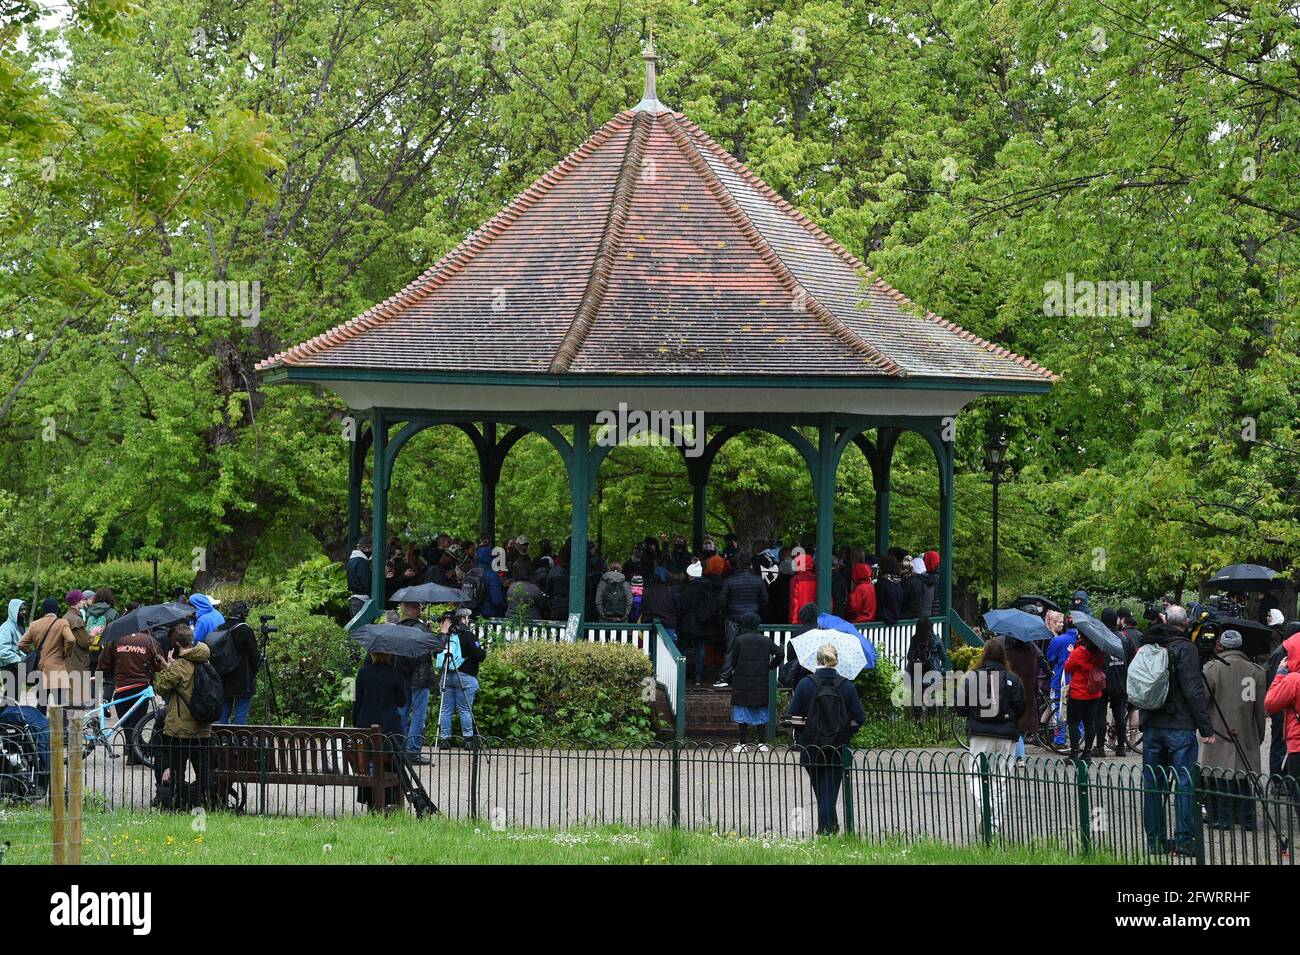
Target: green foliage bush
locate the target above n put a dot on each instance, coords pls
(964, 658)
(586, 693)
(313, 663)
(130, 580)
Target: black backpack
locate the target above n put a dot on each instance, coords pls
(225, 658)
(828, 720)
(207, 696)
(616, 600)
(474, 587)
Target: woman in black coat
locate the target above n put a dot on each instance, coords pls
(380, 696)
(752, 657)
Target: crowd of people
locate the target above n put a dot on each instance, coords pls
(1195, 706)
(701, 596)
(68, 656)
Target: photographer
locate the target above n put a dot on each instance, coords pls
(1237, 712)
(418, 673)
(458, 665)
(1169, 728)
(185, 733)
(239, 683)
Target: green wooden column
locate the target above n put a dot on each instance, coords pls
(946, 456)
(580, 492)
(356, 466)
(823, 478)
(886, 439)
(699, 508)
(489, 469)
(379, 512)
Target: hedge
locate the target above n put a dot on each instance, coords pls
(130, 580)
(589, 694)
(313, 663)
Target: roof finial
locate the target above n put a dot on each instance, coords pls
(650, 98)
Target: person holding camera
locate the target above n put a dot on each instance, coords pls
(187, 730)
(458, 665)
(418, 673)
(239, 682)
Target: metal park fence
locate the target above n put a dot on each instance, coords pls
(1086, 809)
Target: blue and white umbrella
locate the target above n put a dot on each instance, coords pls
(852, 660)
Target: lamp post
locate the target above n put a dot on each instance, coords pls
(996, 461)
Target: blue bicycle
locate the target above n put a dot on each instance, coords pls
(96, 730)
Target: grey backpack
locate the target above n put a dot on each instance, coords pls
(1148, 677)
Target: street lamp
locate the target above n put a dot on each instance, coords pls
(996, 461)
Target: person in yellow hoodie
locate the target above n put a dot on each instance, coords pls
(185, 739)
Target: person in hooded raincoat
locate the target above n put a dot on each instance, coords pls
(11, 631)
(209, 618)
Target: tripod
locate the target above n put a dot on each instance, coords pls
(447, 671)
(268, 702)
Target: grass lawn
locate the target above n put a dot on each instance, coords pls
(159, 838)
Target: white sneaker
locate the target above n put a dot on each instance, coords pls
(740, 748)
(764, 748)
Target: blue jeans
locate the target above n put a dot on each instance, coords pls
(417, 714)
(459, 695)
(238, 705)
(1174, 753)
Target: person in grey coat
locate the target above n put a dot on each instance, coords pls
(1235, 688)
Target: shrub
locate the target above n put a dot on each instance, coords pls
(587, 693)
(130, 580)
(313, 663)
(964, 658)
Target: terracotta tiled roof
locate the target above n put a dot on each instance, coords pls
(651, 250)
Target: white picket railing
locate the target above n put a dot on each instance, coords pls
(891, 639)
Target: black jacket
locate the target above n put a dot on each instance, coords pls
(242, 681)
(659, 603)
(743, 592)
(417, 671)
(998, 716)
(359, 573)
(1185, 707)
(751, 658)
(889, 600)
(913, 598)
(380, 694)
(802, 700)
(699, 612)
(473, 653)
(557, 592)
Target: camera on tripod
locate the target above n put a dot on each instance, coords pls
(266, 628)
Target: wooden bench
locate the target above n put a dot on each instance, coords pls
(307, 756)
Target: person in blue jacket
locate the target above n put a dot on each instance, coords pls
(209, 618)
(494, 596)
(1058, 651)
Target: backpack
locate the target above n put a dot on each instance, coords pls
(225, 658)
(828, 721)
(1095, 680)
(95, 625)
(615, 603)
(638, 592)
(207, 695)
(1148, 677)
(474, 587)
(453, 647)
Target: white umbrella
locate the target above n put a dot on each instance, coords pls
(852, 659)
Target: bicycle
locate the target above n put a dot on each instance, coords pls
(96, 732)
(1134, 742)
(1052, 733)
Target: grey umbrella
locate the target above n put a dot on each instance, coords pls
(428, 594)
(146, 619)
(1245, 578)
(398, 640)
(1018, 625)
(1105, 639)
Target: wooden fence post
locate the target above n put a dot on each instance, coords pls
(58, 788)
(76, 788)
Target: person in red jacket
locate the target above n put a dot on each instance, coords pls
(1085, 667)
(1284, 697)
(803, 586)
(862, 599)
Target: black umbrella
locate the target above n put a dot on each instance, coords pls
(428, 594)
(1245, 578)
(1028, 600)
(147, 618)
(398, 640)
(1103, 638)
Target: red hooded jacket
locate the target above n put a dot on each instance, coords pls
(862, 600)
(1284, 695)
(1081, 660)
(803, 590)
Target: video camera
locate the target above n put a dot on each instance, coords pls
(1207, 621)
(266, 628)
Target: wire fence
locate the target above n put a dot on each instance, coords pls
(952, 797)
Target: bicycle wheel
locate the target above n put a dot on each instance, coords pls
(959, 734)
(145, 737)
(90, 730)
(1048, 727)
